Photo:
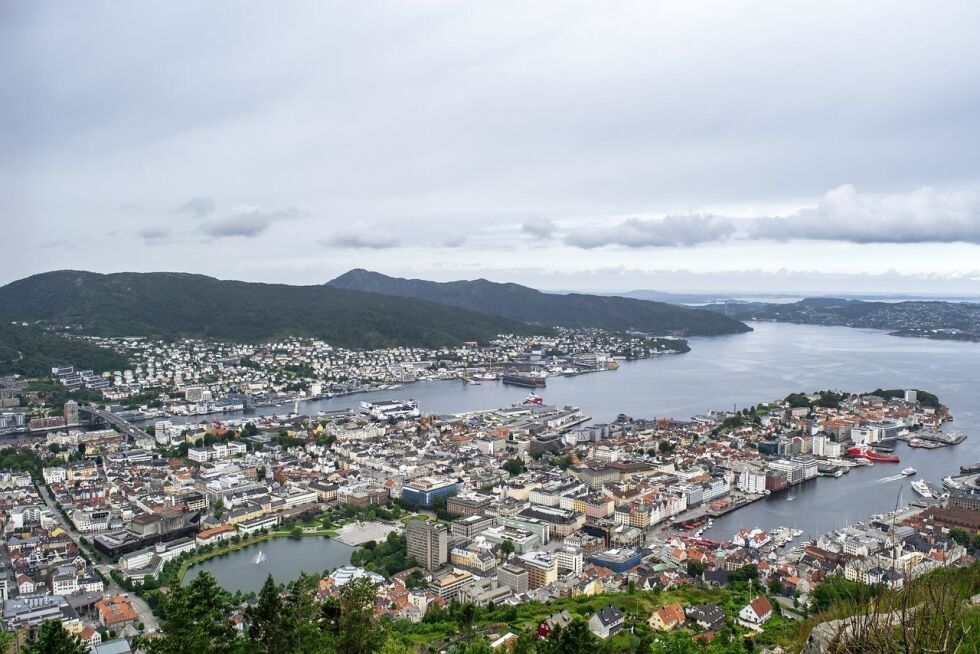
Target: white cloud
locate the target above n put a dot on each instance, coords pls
(539, 227)
(249, 222)
(155, 235)
(671, 231)
(456, 241)
(844, 214)
(361, 234)
(198, 207)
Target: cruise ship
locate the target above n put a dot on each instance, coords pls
(922, 488)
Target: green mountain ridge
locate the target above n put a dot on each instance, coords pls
(575, 310)
(178, 305)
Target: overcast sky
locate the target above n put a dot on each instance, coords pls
(606, 146)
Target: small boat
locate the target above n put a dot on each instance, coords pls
(922, 488)
(260, 558)
(908, 472)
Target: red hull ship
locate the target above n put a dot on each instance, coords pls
(865, 452)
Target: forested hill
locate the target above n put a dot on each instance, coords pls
(929, 319)
(32, 352)
(575, 310)
(183, 305)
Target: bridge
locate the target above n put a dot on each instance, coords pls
(124, 426)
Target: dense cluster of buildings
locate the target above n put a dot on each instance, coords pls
(195, 377)
(517, 503)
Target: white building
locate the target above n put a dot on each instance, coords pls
(752, 481)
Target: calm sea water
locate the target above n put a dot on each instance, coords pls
(745, 369)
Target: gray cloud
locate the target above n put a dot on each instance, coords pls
(539, 227)
(844, 214)
(671, 231)
(154, 235)
(362, 235)
(457, 241)
(248, 223)
(199, 207)
(481, 125)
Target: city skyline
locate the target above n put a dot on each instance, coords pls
(678, 148)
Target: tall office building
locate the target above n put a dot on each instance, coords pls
(429, 544)
(71, 412)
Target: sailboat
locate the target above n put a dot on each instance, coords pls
(260, 558)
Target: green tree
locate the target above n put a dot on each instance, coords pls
(695, 569)
(527, 643)
(507, 547)
(576, 638)
(960, 536)
(52, 638)
(467, 617)
(264, 619)
(514, 467)
(196, 620)
(358, 630)
(416, 580)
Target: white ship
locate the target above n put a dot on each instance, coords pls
(392, 409)
(908, 472)
(922, 488)
(951, 484)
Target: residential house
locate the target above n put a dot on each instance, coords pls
(607, 622)
(756, 612)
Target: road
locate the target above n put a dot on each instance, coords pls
(142, 609)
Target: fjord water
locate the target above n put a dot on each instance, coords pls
(745, 369)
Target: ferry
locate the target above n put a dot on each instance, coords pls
(866, 452)
(908, 472)
(922, 488)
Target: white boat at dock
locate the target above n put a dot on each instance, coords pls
(922, 488)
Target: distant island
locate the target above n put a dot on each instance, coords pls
(923, 319)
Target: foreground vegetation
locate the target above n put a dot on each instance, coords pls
(934, 615)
